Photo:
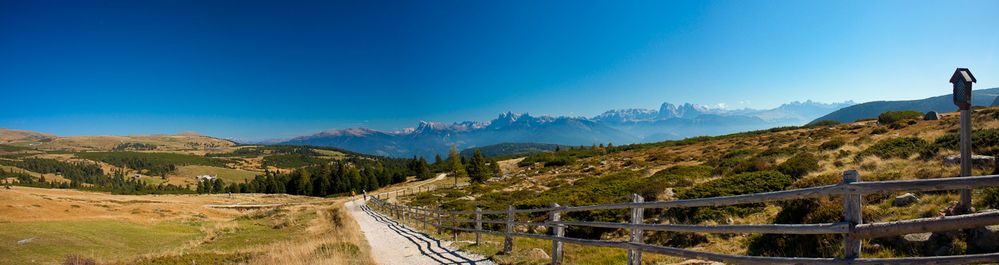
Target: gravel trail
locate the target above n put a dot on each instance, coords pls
(393, 243)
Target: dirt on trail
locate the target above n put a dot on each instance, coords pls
(394, 243)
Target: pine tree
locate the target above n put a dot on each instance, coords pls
(437, 160)
(477, 170)
(303, 183)
(423, 170)
(218, 186)
(457, 169)
(497, 172)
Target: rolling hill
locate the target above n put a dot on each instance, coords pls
(944, 103)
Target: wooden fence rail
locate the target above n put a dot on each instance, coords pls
(852, 227)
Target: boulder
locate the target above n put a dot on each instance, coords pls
(537, 253)
(904, 200)
(984, 239)
(980, 161)
(931, 116)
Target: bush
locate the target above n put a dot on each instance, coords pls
(984, 141)
(799, 165)
(746, 183)
(823, 123)
(801, 212)
(833, 144)
(739, 161)
(894, 116)
(895, 148)
(879, 130)
(673, 177)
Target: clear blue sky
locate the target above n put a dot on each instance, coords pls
(271, 69)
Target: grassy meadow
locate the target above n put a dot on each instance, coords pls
(53, 225)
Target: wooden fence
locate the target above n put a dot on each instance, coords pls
(852, 227)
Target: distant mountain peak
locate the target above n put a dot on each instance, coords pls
(687, 111)
(347, 132)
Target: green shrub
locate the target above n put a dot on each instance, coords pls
(833, 144)
(799, 165)
(879, 130)
(746, 183)
(698, 171)
(823, 123)
(779, 152)
(673, 177)
(801, 212)
(896, 125)
(895, 148)
(739, 161)
(985, 141)
(894, 116)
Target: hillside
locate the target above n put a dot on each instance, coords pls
(748, 162)
(510, 149)
(944, 103)
(179, 142)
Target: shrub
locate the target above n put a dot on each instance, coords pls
(984, 141)
(894, 116)
(673, 177)
(879, 130)
(823, 123)
(799, 165)
(895, 148)
(801, 212)
(833, 144)
(739, 161)
(896, 125)
(754, 182)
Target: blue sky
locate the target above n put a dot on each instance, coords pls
(254, 70)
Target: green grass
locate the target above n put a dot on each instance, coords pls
(101, 239)
(226, 174)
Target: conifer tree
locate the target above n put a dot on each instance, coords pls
(477, 170)
(457, 169)
(496, 171)
(423, 170)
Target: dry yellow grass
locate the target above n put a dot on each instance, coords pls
(174, 227)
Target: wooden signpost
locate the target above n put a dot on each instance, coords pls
(962, 80)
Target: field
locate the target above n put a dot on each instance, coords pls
(173, 229)
(186, 174)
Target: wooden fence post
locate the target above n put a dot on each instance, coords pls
(440, 222)
(478, 225)
(508, 236)
(853, 214)
(426, 218)
(454, 224)
(558, 231)
(637, 217)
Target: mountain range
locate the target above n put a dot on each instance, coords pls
(621, 126)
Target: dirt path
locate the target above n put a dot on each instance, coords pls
(393, 243)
